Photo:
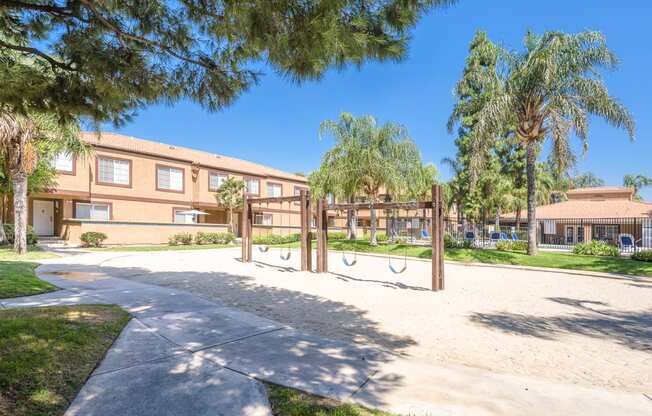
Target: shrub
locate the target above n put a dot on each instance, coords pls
(509, 245)
(645, 255)
(596, 248)
(274, 239)
(9, 232)
(381, 237)
(337, 235)
(214, 238)
(180, 238)
(93, 238)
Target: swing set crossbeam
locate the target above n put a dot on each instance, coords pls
(380, 205)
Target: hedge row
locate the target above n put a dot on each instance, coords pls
(201, 238)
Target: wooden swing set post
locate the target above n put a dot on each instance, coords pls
(306, 235)
(437, 238)
(247, 229)
(322, 237)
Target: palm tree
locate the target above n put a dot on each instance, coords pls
(229, 196)
(366, 159)
(637, 182)
(21, 137)
(587, 180)
(547, 92)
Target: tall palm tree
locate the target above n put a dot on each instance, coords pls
(637, 182)
(547, 92)
(21, 136)
(229, 196)
(587, 180)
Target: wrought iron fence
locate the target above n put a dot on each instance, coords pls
(628, 234)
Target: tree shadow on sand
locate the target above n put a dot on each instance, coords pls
(306, 313)
(592, 319)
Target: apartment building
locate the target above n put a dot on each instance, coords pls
(140, 192)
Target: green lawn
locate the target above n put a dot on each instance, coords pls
(163, 247)
(290, 402)
(17, 276)
(543, 259)
(46, 354)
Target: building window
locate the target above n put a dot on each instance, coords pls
(64, 162)
(570, 237)
(113, 171)
(169, 179)
(274, 189)
(252, 186)
(181, 218)
(580, 234)
(605, 232)
(263, 219)
(215, 180)
(92, 211)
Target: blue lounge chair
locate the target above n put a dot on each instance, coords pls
(515, 237)
(425, 235)
(626, 242)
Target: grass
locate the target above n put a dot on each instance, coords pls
(290, 402)
(163, 247)
(46, 354)
(17, 276)
(548, 259)
(33, 253)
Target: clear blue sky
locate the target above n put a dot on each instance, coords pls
(276, 122)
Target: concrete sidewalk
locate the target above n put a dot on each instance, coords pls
(182, 354)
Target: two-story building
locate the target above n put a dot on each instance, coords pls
(141, 192)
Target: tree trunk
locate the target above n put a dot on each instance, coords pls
(3, 236)
(497, 220)
(531, 198)
(230, 219)
(19, 181)
(518, 218)
(372, 230)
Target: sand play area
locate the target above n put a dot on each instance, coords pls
(576, 327)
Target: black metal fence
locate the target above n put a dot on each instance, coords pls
(628, 234)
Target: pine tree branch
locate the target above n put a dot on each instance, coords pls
(48, 8)
(33, 51)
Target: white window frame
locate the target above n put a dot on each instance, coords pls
(274, 185)
(264, 219)
(221, 178)
(248, 182)
(113, 182)
(188, 218)
(68, 159)
(170, 170)
(92, 209)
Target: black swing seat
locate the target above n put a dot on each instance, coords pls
(263, 249)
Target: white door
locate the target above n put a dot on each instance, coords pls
(44, 217)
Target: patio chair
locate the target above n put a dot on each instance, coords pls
(424, 235)
(626, 242)
(515, 237)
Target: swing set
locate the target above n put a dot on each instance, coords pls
(252, 206)
(350, 259)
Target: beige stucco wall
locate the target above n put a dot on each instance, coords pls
(133, 233)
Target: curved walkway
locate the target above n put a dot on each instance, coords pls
(185, 355)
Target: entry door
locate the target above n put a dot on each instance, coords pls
(44, 217)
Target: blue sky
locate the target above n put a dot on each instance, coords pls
(276, 122)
